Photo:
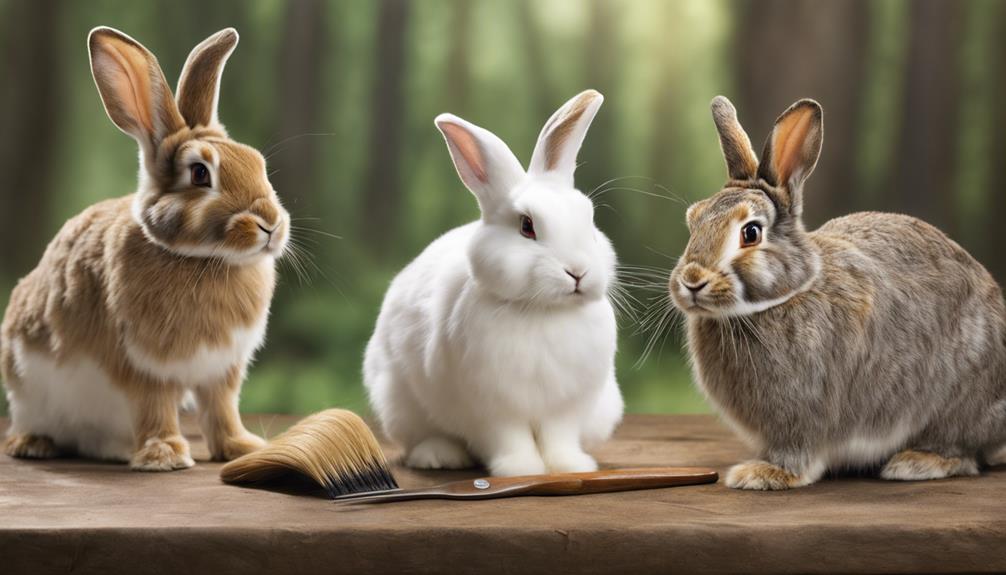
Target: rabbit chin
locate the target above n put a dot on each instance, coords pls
(263, 250)
(738, 308)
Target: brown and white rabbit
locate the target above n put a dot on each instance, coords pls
(874, 340)
(142, 298)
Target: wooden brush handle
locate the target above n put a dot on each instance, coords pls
(582, 483)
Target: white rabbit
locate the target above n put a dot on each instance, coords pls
(499, 340)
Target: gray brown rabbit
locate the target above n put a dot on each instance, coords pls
(874, 340)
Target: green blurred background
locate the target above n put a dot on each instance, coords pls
(341, 96)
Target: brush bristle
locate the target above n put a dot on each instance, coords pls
(335, 448)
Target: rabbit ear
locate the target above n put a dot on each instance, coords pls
(199, 84)
(742, 164)
(562, 136)
(792, 149)
(132, 87)
(485, 164)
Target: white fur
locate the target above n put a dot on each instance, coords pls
(76, 404)
(208, 365)
(73, 402)
(482, 343)
(861, 449)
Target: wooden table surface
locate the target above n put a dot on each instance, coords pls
(88, 517)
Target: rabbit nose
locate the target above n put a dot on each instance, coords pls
(265, 229)
(695, 287)
(576, 277)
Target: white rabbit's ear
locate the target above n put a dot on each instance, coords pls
(485, 164)
(792, 150)
(199, 84)
(742, 163)
(132, 87)
(562, 136)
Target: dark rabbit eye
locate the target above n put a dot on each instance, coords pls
(527, 227)
(750, 234)
(200, 175)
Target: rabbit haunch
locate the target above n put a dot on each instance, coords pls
(142, 299)
(873, 340)
(497, 342)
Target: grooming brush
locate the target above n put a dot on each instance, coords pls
(604, 481)
(337, 450)
(334, 448)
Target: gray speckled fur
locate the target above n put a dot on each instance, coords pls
(899, 342)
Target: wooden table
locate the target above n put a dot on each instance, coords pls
(86, 517)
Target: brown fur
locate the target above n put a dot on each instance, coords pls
(110, 283)
(334, 448)
(762, 476)
(199, 83)
(912, 465)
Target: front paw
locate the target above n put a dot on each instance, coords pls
(159, 454)
(27, 446)
(570, 461)
(439, 453)
(513, 464)
(234, 447)
(762, 476)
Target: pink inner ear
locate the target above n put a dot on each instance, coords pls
(788, 142)
(130, 79)
(469, 149)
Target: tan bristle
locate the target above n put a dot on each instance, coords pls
(334, 448)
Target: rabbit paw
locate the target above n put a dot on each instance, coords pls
(513, 464)
(761, 475)
(234, 447)
(29, 446)
(162, 455)
(911, 465)
(439, 453)
(570, 461)
(997, 457)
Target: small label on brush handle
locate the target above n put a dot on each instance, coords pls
(481, 484)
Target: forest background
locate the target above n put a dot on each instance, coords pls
(341, 96)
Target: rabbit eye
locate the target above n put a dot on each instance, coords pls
(200, 175)
(750, 234)
(527, 227)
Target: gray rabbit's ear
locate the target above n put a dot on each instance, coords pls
(484, 163)
(199, 84)
(792, 150)
(132, 87)
(563, 134)
(742, 164)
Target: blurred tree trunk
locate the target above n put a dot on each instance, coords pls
(787, 50)
(601, 51)
(994, 256)
(301, 88)
(923, 176)
(539, 82)
(457, 57)
(382, 189)
(31, 100)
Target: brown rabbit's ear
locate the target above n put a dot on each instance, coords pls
(792, 149)
(132, 87)
(742, 164)
(199, 84)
